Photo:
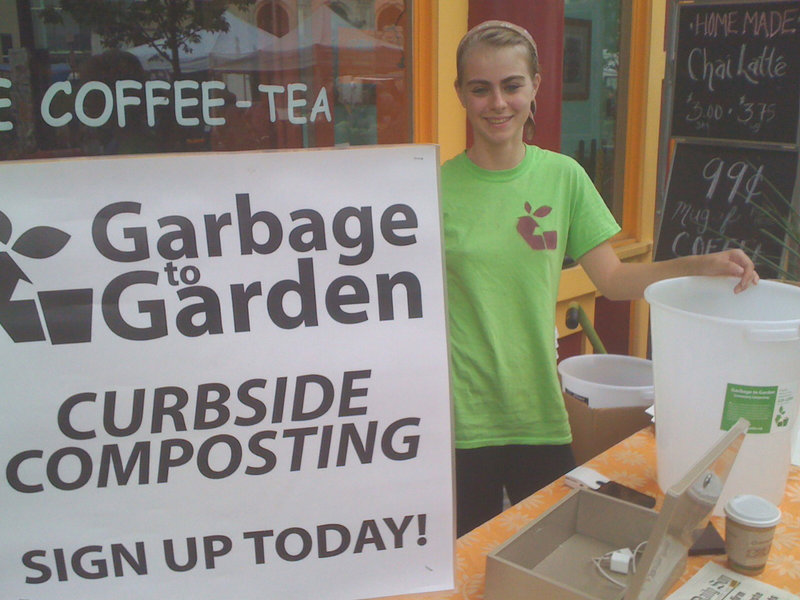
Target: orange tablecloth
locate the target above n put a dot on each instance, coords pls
(631, 462)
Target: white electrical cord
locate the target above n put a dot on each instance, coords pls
(597, 563)
(636, 554)
(620, 561)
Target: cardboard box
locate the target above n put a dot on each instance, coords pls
(594, 430)
(553, 556)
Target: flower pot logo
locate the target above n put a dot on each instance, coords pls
(67, 313)
(527, 227)
(781, 419)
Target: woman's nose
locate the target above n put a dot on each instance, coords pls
(497, 99)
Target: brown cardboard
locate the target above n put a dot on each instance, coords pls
(552, 556)
(595, 430)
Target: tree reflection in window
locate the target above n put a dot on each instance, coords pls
(273, 18)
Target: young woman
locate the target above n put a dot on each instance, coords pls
(511, 213)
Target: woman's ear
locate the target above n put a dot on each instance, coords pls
(537, 79)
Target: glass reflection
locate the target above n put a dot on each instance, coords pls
(224, 75)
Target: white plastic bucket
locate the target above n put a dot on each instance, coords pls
(718, 356)
(608, 380)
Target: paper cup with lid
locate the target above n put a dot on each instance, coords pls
(750, 523)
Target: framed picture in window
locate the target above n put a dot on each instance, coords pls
(577, 59)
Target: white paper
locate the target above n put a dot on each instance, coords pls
(715, 582)
(270, 458)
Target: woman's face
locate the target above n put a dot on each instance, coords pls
(497, 90)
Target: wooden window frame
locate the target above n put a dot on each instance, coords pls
(424, 76)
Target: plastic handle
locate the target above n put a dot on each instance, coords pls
(773, 335)
(572, 317)
(577, 316)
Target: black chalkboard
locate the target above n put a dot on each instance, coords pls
(713, 199)
(736, 71)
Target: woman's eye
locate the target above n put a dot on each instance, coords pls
(479, 91)
(513, 87)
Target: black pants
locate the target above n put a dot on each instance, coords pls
(482, 473)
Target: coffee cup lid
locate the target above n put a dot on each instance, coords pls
(755, 511)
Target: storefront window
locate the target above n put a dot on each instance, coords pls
(82, 77)
(593, 92)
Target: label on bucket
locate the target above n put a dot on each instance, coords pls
(766, 407)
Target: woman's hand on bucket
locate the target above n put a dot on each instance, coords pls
(730, 263)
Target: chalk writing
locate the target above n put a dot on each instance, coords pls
(716, 199)
(737, 72)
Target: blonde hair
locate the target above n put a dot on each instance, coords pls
(501, 34)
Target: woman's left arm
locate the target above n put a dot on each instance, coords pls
(619, 280)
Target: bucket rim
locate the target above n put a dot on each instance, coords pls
(649, 291)
(605, 386)
(605, 356)
(609, 387)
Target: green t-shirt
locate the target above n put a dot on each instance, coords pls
(506, 234)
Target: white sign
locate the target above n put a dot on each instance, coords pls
(224, 376)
